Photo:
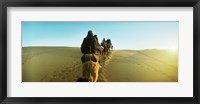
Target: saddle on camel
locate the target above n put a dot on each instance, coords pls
(90, 58)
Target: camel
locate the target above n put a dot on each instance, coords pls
(90, 68)
(90, 71)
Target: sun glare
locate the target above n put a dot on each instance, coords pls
(173, 49)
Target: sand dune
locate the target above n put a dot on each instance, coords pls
(51, 64)
(142, 66)
(62, 64)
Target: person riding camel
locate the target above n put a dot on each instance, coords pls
(103, 43)
(89, 48)
(109, 44)
(99, 47)
(96, 39)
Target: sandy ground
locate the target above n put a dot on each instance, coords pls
(141, 66)
(51, 64)
(62, 64)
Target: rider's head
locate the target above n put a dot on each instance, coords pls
(90, 33)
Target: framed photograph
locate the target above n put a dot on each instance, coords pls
(73, 51)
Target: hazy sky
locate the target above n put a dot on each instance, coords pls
(124, 35)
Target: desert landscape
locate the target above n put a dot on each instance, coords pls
(63, 64)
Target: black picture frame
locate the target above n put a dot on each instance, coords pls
(99, 3)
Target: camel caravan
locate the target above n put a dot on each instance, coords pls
(93, 53)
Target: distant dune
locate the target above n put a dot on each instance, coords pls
(62, 64)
